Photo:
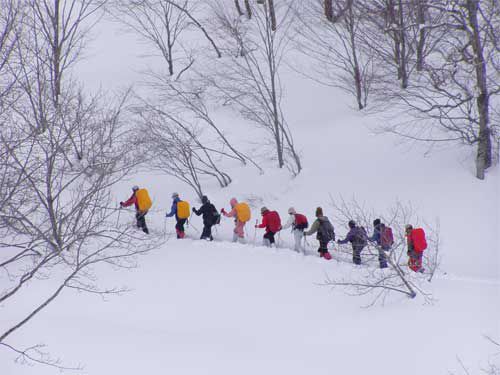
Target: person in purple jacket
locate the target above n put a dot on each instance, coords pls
(358, 238)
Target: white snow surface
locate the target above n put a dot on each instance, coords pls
(222, 308)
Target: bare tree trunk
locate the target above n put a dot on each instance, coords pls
(170, 44)
(238, 7)
(393, 27)
(56, 53)
(422, 34)
(329, 10)
(356, 69)
(272, 14)
(248, 7)
(483, 158)
(402, 39)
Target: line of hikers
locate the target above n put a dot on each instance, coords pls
(382, 235)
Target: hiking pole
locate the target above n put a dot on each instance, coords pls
(255, 232)
(118, 218)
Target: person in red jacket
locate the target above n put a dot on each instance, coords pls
(272, 223)
(139, 215)
(415, 257)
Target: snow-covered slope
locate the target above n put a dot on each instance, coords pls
(221, 308)
(217, 308)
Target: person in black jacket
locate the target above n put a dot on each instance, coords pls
(209, 213)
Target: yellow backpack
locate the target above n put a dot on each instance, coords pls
(183, 210)
(143, 200)
(243, 213)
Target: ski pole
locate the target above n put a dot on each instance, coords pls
(279, 240)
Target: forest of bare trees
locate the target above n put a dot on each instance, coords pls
(436, 62)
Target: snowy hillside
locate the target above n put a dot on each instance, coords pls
(197, 307)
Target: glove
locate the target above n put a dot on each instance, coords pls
(193, 209)
(223, 210)
(121, 204)
(256, 226)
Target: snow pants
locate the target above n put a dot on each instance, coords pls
(415, 261)
(141, 221)
(298, 235)
(179, 227)
(323, 247)
(356, 253)
(239, 231)
(382, 257)
(207, 232)
(269, 239)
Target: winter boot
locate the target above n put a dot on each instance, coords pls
(266, 242)
(235, 237)
(145, 230)
(327, 256)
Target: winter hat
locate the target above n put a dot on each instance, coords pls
(408, 227)
(292, 211)
(376, 222)
(351, 223)
(135, 187)
(319, 212)
(263, 209)
(233, 202)
(175, 195)
(204, 199)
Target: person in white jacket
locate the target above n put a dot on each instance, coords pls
(298, 223)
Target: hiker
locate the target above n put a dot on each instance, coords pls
(181, 211)
(272, 222)
(416, 245)
(299, 223)
(210, 217)
(241, 213)
(358, 238)
(382, 236)
(140, 199)
(325, 232)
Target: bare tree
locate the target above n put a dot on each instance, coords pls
(238, 7)
(249, 76)
(455, 91)
(190, 100)
(55, 35)
(334, 44)
(10, 28)
(174, 146)
(61, 223)
(396, 279)
(157, 22)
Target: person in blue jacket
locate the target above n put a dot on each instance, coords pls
(378, 228)
(179, 226)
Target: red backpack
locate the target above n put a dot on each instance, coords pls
(417, 237)
(300, 222)
(386, 237)
(273, 221)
